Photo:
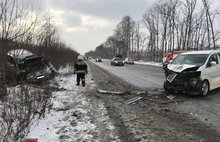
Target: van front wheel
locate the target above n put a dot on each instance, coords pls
(205, 88)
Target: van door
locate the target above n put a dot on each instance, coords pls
(214, 71)
(218, 70)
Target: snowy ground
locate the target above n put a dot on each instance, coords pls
(71, 115)
(148, 63)
(69, 119)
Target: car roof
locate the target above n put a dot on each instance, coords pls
(200, 52)
(20, 53)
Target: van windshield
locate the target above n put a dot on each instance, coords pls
(191, 59)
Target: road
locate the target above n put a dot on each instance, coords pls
(144, 76)
(206, 109)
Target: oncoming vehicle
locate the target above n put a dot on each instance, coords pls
(98, 59)
(24, 65)
(195, 72)
(129, 60)
(117, 61)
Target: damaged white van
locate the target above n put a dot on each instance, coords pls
(194, 72)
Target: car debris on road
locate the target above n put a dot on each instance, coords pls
(110, 92)
(134, 99)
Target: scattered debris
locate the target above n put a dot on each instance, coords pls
(134, 99)
(171, 97)
(163, 102)
(110, 92)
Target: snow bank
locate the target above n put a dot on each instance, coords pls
(148, 63)
(69, 118)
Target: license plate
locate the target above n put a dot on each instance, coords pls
(40, 77)
(171, 77)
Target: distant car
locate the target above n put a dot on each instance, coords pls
(89, 58)
(98, 59)
(195, 72)
(24, 65)
(116, 61)
(129, 60)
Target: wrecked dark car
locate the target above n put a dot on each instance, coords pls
(195, 72)
(24, 65)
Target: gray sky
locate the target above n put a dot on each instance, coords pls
(85, 24)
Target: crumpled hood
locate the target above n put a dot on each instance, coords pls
(179, 68)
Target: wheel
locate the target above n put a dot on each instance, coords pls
(205, 88)
(165, 87)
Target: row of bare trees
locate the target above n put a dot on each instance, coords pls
(20, 20)
(171, 25)
(180, 25)
(23, 25)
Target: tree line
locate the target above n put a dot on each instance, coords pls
(169, 25)
(23, 25)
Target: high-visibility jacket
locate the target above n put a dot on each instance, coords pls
(80, 67)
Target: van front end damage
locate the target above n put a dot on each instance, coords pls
(187, 81)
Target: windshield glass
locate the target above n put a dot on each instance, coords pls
(116, 58)
(191, 59)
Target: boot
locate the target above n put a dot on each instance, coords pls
(83, 83)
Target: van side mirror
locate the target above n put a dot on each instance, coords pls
(213, 63)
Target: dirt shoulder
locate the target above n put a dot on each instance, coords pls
(155, 117)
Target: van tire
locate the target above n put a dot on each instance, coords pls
(205, 88)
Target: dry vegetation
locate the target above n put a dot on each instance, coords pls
(34, 31)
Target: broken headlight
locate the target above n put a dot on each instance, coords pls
(171, 77)
(194, 81)
(194, 77)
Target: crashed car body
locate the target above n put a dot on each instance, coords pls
(24, 65)
(195, 72)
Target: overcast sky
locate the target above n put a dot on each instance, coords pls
(85, 24)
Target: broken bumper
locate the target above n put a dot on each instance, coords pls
(190, 84)
(38, 75)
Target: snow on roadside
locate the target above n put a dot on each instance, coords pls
(69, 118)
(148, 63)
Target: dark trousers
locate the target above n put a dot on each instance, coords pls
(80, 76)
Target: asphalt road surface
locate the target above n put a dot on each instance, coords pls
(144, 76)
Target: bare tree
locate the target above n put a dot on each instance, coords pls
(124, 32)
(19, 20)
(171, 25)
(209, 20)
